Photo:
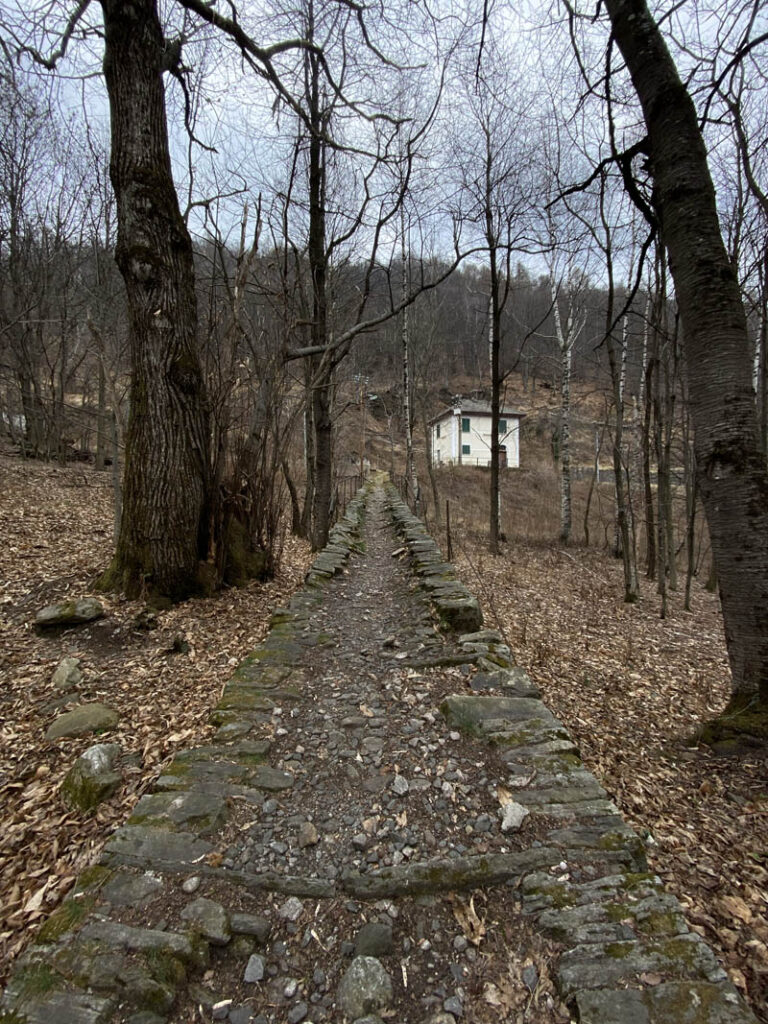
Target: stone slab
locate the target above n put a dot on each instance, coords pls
(669, 1003)
(154, 848)
(123, 936)
(67, 1008)
(129, 890)
(203, 812)
(82, 720)
(600, 965)
(70, 613)
(448, 875)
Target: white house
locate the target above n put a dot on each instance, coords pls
(463, 434)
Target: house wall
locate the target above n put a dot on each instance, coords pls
(448, 447)
(445, 448)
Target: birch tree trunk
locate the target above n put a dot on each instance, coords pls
(731, 469)
(565, 340)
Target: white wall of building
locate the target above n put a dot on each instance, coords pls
(450, 440)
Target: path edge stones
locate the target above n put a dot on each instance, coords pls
(457, 608)
(58, 979)
(614, 924)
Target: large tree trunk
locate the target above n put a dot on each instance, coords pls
(164, 528)
(732, 473)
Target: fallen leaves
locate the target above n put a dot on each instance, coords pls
(164, 699)
(733, 906)
(631, 688)
(471, 924)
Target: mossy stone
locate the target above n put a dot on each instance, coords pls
(65, 919)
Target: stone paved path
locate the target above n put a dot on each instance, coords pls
(388, 825)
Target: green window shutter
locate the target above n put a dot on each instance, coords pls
(502, 426)
(465, 449)
(465, 425)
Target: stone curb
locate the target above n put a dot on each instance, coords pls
(84, 968)
(457, 609)
(586, 884)
(616, 927)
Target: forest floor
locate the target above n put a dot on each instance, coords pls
(633, 690)
(56, 528)
(629, 687)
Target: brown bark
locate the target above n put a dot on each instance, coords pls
(321, 367)
(731, 471)
(164, 526)
(650, 516)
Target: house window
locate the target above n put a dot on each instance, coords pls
(465, 425)
(465, 449)
(502, 426)
(437, 430)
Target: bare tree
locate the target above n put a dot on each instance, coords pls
(495, 196)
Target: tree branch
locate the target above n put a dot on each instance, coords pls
(51, 62)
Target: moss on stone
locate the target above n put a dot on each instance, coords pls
(151, 821)
(636, 880)
(92, 879)
(660, 922)
(461, 722)
(513, 737)
(498, 659)
(743, 723)
(244, 698)
(65, 919)
(165, 968)
(244, 561)
(221, 717)
(557, 894)
(677, 948)
(612, 841)
(619, 950)
(85, 791)
(34, 980)
(278, 618)
(250, 759)
(618, 911)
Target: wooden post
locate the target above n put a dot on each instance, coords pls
(448, 545)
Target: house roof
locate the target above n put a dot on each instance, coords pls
(476, 407)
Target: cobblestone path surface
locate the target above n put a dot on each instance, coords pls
(388, 825)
